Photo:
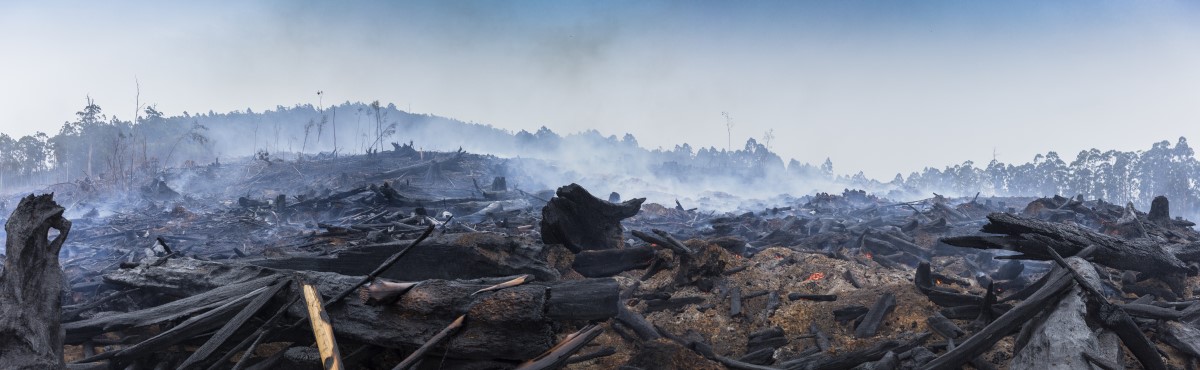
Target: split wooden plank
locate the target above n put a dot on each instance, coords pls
(322, 328)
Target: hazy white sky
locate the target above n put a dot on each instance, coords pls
(881, 86)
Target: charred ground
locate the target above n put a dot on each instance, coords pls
(204, 258)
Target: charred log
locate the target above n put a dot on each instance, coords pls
(514, 323)
(1028, 236)
(981, 341)
(850, 359)
(1058, 339)
(477, 255)
(601, 263)
(874, 318)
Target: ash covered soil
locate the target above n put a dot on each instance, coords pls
(792, 282)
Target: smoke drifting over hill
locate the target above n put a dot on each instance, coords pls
(95, 146)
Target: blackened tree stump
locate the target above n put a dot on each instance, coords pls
(31, 334)
(1160, 210)
(580, 221)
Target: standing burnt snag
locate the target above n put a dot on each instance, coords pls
(31, 336)
(580, 221)
(1160, 210)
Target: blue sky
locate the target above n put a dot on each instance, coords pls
(881, 86)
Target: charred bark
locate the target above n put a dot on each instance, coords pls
(580, 221)
(1062, 336)
(31, 283)
(476, 255)
(1160, 211)
(610, 262)
(1059, 282)
(514, 323)
(1029, 236)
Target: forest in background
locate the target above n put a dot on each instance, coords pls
(126, 153)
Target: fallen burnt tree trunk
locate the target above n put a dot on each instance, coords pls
(1059, 282)
(1059, 338)
(613, 261)
(1027, 236)
(31, 286)
(851, 359)
(204, 299)
(514, 323)
(426, 165)
(475, 255)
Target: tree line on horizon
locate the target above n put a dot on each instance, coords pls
(125, 153)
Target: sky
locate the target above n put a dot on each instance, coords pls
(884, 87)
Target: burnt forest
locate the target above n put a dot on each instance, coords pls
(599, 185)
(432, 243)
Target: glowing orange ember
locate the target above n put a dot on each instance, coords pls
(868, 255)
(815, 276)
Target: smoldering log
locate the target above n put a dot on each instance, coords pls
(31, 285)
(580, 221)
(941, 296)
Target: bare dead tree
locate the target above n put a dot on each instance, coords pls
(728, 131)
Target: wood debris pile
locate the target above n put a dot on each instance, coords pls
(423, 260)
